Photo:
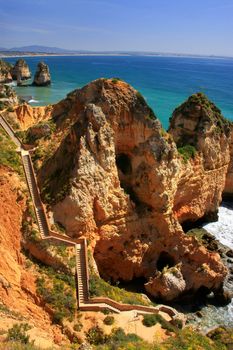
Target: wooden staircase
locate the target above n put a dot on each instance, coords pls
(33, 188)
(82, 278)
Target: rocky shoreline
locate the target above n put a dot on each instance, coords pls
(20, 72)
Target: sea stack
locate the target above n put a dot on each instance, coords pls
(21, 70)
(42, 76)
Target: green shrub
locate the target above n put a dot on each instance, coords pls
(141, 98)
(109, 320)
(143, 102)
(10, 109)
(187, 152)
(115, 80)
(18, 332)
(96, 336)
(106, 311)
(78, 327)
(118, 335)
(150, 320)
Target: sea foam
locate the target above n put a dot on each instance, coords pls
(33, 101)
(223, 228)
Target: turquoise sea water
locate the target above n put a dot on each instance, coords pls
(165, 82)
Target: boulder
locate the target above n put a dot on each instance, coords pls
(167, 285)
(42, 76)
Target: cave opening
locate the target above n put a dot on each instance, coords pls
(136, 285)
(123, 163)
(165, 259)
(133, 197)
(188, 225)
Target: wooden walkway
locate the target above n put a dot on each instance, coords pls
(85, 303)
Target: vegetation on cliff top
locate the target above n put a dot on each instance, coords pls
(8, 155)
(141, 100)
(204, 238)
(210, 111)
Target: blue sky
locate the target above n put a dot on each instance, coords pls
(181, 26)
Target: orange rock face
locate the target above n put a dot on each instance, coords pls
(17, 285)
(117, 178)
(28, 116)
(228, 190)
(199, 124)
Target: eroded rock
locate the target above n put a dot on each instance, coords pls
(21, 70)
(42, 76)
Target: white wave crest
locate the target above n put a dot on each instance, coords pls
(33, 101)
(223, 228)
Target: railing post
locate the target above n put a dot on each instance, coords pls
(86, 264)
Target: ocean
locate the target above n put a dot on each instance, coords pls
(165, 82)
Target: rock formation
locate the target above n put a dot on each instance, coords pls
(228, 190)
(21, 70)
(5, 72)
(116, 177)
(8, 97)
(198, 124)
(42, 76)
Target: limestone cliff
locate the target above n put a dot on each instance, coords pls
(21, 70)
(42, 76)
(116, 177)
(228, 190)
(5, 72)
(198, 125)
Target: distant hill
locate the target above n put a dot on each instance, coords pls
(40, 49)
(36, 49)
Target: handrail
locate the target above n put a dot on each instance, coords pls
(86, 265)
(6, 125)
(98, 303)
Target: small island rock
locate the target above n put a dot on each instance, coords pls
(21, 70)
(42, 76)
